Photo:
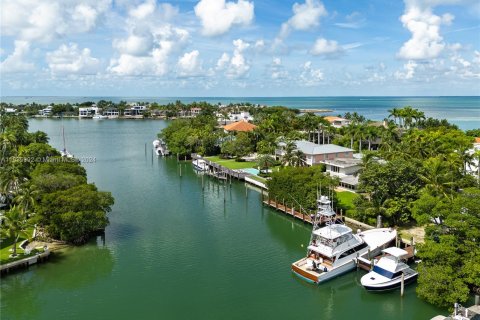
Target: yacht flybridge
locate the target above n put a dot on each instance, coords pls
(333, 249)
(387, 272)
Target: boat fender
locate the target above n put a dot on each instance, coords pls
(325, 269)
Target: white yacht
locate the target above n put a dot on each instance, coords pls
(387, 271)
(64, 152)
(160, 148)
(334, 249)
(99, 117)
(200, 165)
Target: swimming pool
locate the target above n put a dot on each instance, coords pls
(251, 171)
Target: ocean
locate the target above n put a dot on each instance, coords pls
(463, 111)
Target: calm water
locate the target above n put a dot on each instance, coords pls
(172, 251)
(463, 111)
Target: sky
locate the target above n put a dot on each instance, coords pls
(239, 48)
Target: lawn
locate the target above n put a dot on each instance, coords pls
(259, 179)
(345, 199)
(231, 163)
(7, 244)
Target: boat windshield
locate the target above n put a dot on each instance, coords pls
(383, 272)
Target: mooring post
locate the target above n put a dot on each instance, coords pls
(402, 285)
(477, 300)
(379, 221)
(180, 170)
(145, 149)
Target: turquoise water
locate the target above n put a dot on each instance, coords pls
(173, 251)
(463, 111)
(251, 171)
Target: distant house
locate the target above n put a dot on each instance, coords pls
(318, 153)
(476, 143)
(346, 170)
(88, 112)
(474, 166)
(337, 122)
(111, 113)
(10, 110)
(239, 126)
(135, 111)
(195, 111)
(46, 112)
(244, 115)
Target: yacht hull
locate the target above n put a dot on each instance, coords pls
(391, 285)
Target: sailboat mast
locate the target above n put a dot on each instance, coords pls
(63, 134)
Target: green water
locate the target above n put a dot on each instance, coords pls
(172, 251)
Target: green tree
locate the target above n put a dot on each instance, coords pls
(15, 225)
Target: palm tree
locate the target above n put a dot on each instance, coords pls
(15, 225)
(288, 150)
(393, 113)
(25, 198)
(436, 177)
(265, 161)
(299, 159)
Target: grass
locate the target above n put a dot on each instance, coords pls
(7, 244)
(345, 199)
(259, 179)
(231, 163)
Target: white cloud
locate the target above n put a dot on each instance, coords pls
(45, 20)
(310, 76)
(70, 59)
(408, 71)
(218, 16)
(189, 64)
(150, 42)
(305, 16)
(235, 66)
(426, 41)
(134, 45)
(16, 61)
(223, 61)
(277, 70)
(355, 20)
(326, 47)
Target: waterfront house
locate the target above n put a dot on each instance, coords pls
(337, 122)
(318, 153)
(195, 111)
(239, 126)
(135, 111)
(10, 110)
(111, 113)
(46, 112)
(345, 169)
(88, 112)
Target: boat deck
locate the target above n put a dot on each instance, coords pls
(367, 264)
(300, 267)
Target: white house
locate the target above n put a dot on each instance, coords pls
(237, 116)
(337, 122)
(319, 153)
(111, 113)
(88, 112)
(346, 170)
(10, 110)
(135, 111)
(46, 112)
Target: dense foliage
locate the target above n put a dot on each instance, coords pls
(40, 187)
(300, 186)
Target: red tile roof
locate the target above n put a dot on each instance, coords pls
(240, 126)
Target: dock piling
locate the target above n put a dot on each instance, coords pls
(402, 284)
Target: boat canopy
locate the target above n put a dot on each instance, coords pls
(396, 252)
(332, 231)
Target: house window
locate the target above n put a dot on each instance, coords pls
(334, 169)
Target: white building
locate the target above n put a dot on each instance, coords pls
(319, 153)
(346, 170)
(243, 115)
(46, 112)
(337, 122)
(10, 110)
(88, 112)
(135, 111)
(112, 113)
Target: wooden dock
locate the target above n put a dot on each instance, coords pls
(289, 211)
(220, 172)
(367, 264)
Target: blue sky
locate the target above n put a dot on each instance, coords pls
(240, 48)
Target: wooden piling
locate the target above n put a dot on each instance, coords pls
(402, 285)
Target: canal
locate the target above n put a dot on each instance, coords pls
(173, 251)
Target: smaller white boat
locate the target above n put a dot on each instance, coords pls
(160, 147)
(387, 271)
(99, 117)
(200, 165)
